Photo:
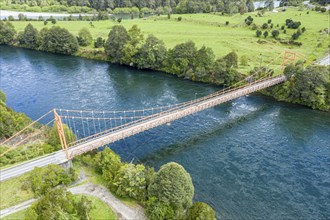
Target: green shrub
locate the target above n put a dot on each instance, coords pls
(201, 210)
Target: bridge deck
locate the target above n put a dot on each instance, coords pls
(152, 122)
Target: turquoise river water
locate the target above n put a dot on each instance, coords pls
(252, 158)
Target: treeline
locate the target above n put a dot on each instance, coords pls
(130, 47)
(166, 194)
(321, 2)
(166, 6)
(184, 60)
(308, 86)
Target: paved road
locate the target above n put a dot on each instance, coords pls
(122, 211)
(58, 157)
(325, 61)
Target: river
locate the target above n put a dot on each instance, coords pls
(252, 158)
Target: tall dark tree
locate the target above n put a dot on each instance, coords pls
(115, 43)
(31, 37)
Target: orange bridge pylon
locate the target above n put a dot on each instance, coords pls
(61, 134)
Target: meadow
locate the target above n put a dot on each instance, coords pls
(211, 30)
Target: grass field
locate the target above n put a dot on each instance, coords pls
(100, 211)
(11, 192)
(210, 30)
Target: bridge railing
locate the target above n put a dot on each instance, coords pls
(176, 108)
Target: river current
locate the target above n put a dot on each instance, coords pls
(251, 158)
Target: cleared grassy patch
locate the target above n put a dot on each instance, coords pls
(210, 30)
(11, 192)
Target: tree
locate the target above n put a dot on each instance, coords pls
(231, 59)
(7, 32)
(250, 5)
(56, 204)
(42, 180)
(130, 181)
(84, 37)
(99, 42)
(269, 4)
(84, 206)
(172, 186)
(258, 33)
(30, 37)
(266, 34)
(223, 74)
(275, 33)
(132, 46)
(201, 210)
(203, 63)
(152, 54)
(107, 163)
(59, 40)
(115, 43)
(312, 87)
(181, 58)
(3, 97)
(54, 139)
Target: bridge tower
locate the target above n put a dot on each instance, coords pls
(288, 56)
(61, 134)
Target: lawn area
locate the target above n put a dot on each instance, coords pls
(100, 211)
(20, 215)
(11, 192)
(210, 30)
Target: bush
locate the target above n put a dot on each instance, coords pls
(227, 22)
(179, 18)
(264, 26)
(266, 34)
(201, 210)
(42, 180)
(84, 37)
(275, 33)
(269, 21)
(99, 42)
(292, 24)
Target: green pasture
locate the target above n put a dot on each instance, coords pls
(210, 30)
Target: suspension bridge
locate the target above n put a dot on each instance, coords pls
(80, 131)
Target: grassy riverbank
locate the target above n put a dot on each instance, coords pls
(211, 30)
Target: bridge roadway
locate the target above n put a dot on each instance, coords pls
(59, 157)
